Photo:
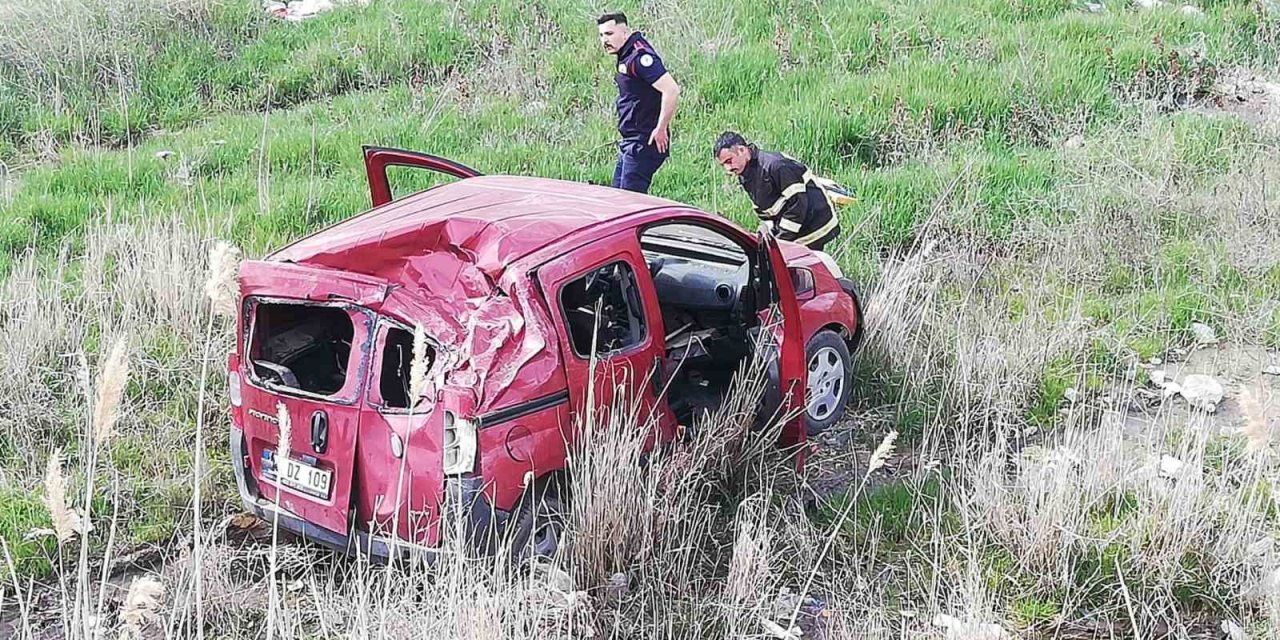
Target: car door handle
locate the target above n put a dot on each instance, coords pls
(319, 431)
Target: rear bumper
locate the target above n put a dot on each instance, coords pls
(476, 518)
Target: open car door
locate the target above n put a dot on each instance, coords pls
(777, 296)
(377, 159)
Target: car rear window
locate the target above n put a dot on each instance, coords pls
(397, 363)
(302, 347)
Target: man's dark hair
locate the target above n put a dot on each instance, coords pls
(619, 17)
(726, 140)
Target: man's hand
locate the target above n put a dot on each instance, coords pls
(670, 93)
(660, 138)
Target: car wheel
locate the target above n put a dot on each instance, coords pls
(828, 381)
(538, 524)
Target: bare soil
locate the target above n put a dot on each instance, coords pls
(1244, 93)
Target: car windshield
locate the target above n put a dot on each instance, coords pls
(722, 249)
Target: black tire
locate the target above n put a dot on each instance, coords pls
(831, 348)
(537, 527)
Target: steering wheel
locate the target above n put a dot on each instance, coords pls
(656, 265)
(278, 373)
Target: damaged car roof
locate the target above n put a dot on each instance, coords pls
(487, 222)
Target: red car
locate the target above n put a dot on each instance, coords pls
(517, 282)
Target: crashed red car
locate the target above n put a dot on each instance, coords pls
(506, 276)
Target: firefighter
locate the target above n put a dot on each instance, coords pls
(646, 102)
(797, 205)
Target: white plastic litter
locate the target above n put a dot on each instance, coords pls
(299, 10)
(1204, 333)
(957, 629)
(1233, 631)
(1170, 466)
(1202, 392)
(1273, 370)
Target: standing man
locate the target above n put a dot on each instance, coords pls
(646, 101)
(785, 194)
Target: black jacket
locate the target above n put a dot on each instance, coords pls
(783, 192)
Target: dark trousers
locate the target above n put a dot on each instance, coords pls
(637, 162)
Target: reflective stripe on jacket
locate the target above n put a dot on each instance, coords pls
(785, 193)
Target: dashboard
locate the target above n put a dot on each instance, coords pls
(697, 285)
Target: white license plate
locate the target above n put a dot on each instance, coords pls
(304, 477)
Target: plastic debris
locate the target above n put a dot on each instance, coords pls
(1202, 392)
(1071, 395)
(776, 631)
(1158, 377)
(1170, 466)
(299, 10)
(1204, 333)
(1189, 10)
(957, 629)
(1273, 370)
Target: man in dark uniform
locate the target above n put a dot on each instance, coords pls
(785, 194)
(646, 101)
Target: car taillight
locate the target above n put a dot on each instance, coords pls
(233, 388)
(459, 444)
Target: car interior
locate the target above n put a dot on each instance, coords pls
(704, 284)
(302, 347)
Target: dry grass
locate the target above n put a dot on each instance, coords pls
(711, 538)
(142, 281)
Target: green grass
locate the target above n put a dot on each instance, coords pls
(897, 513)
(228, 57)
(946, 113)
(825, 91)
(22, 512)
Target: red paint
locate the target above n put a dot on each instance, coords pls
(262, 429)
(477, 263)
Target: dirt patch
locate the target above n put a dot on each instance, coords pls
(1244, 93)
(1235, 367)
(839, 459)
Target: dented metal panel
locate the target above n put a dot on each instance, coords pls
(463, 261)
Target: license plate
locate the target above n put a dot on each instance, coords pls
(304, 477)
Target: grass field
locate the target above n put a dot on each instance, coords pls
(1050, 195)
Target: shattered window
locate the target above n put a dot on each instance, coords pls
(602, 308)
(302, 347)
(397, 363)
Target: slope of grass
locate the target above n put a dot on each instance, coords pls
(1001, 267)
(844, 88)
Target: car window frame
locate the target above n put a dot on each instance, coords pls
(645, 333)
(375, 360)
(360, 352)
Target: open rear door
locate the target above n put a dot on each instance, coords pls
(778, 295)
(377, 159)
